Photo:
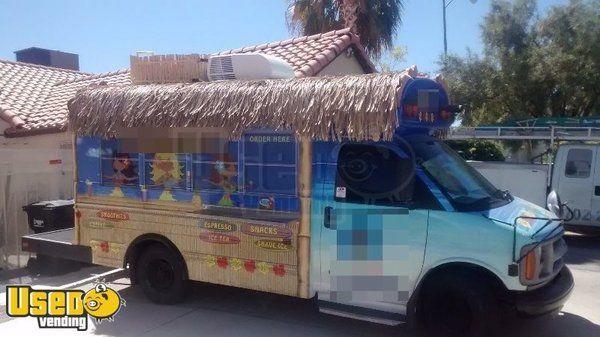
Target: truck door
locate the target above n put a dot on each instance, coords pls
(372, 244)
(577, 181)
(595, 221)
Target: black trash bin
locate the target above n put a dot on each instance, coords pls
(46, 216)
(50, 215)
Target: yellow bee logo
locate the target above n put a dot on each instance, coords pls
(102, 302)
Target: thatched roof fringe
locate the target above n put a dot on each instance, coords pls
(361, 107)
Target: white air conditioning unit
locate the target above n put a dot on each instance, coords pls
(247, 67)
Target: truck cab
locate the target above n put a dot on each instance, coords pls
(576, 178)
(407, 229)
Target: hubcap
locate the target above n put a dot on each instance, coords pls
(454, 313)
(160, 274)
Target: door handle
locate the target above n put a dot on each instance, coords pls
(597, 191)
(327, 216)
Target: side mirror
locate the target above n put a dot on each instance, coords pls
(554, 205)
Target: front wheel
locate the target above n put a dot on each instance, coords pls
(459, 305)
(161, 274)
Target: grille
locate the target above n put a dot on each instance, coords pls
(549, 261)
(221, 68)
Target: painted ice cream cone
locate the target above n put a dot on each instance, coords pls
(144, 193)
(197, 201)
(89, 188)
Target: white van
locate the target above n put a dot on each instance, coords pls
(576, 178)
(574, 175)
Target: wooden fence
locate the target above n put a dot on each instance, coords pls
(169, 68)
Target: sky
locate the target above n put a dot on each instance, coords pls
(104, 33)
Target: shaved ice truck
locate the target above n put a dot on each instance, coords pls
(334, 188)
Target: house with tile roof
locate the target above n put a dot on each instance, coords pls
(36, 149)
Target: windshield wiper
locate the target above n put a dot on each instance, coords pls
(503, 194)
(498, 195)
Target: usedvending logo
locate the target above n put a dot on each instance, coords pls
(64, 308)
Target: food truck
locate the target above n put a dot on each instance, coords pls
(337, 189)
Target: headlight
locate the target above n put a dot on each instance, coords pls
(530, 264)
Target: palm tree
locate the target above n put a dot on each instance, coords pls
(375, 21)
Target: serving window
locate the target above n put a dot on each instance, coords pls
(218, 168)
(165, 170)
(259, 170)
(270, 164)
(118, 168)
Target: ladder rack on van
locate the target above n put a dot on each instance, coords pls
(551, 133)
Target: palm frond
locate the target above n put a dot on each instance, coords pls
(377, 21)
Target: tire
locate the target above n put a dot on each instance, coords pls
(47, 265)
(161, 274)
(459, 305)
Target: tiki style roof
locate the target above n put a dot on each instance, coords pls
(359, 107)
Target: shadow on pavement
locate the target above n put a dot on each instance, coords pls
(582, 240)
(25, 276)
(582, 248)
(562, 325)
(224, 311)
(13, 273)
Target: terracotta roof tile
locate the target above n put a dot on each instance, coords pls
(308, 55)
(23, 88)
(54, 108)
(37, 96)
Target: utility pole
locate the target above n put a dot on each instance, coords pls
(445, 5)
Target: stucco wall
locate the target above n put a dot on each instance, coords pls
(342, 65)
(3, 125)
(31, 169)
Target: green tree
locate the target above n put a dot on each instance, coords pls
(392, 60)
(531, 66)
(568, 58)
(480, 150)
(375, 21)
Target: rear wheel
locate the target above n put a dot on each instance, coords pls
(459, 305)
(161, 274)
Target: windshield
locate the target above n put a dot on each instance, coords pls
(466, 188)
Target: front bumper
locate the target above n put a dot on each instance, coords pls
(549, 298)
